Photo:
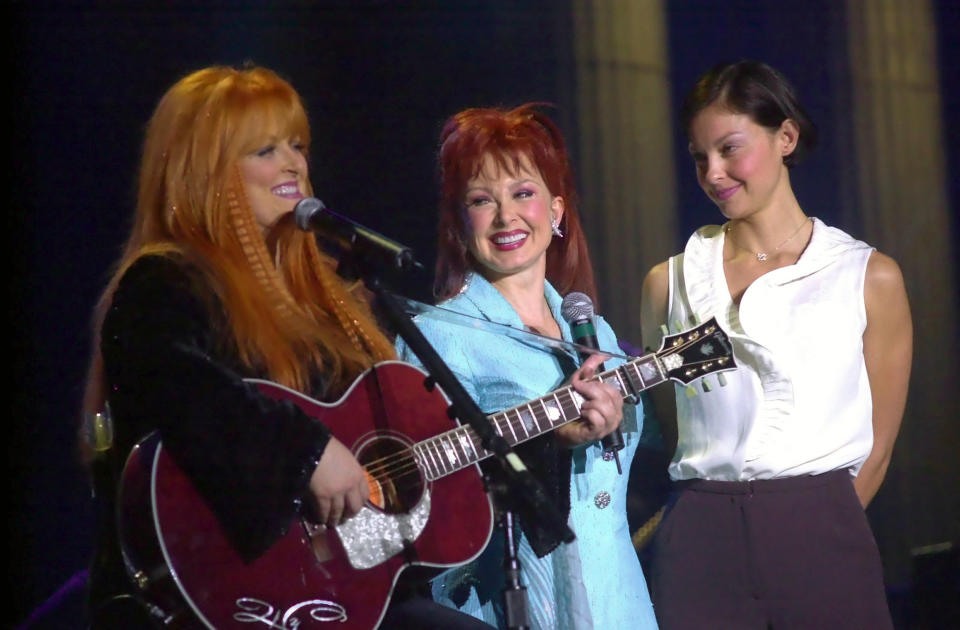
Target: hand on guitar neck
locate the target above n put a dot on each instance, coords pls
(601, 411)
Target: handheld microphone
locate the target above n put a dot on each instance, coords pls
(311, 214)
(577, 309)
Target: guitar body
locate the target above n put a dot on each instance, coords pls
(312, 577)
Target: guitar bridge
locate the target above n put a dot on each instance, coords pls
(317, 534)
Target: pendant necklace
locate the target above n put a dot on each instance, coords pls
(762, 256)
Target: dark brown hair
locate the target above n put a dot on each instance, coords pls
(757, 90)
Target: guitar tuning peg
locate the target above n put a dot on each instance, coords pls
(695, 319)
(705, 385)
(691, 391)
(663, 330)
(677, 326)
(722, 379)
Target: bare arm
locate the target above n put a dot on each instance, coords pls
(653, 305)
(888, 352)
(653, 313)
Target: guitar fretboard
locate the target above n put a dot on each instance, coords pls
(453, 450)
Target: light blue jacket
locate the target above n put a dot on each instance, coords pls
(594, 582)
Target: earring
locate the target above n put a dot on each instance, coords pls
(555, 228)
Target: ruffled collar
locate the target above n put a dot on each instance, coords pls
(706, 281)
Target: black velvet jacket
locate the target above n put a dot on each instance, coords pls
(169, 368)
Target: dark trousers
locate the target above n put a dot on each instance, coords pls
(784, 554)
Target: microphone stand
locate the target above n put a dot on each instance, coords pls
(514, 592)
(520, 486)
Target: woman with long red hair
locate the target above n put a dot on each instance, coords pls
(510, 244)
(215, 285)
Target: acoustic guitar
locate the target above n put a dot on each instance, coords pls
(427, 501)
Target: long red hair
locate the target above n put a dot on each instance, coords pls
(507, 136)
(289, 314)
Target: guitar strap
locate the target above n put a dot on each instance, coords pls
(419, 309)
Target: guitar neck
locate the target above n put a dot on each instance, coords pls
(457, 448)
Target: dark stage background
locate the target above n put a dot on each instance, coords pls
(378, 79)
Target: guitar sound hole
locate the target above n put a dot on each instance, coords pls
(396, 483)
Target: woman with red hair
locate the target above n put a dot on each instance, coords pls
(510, 243)
(215, 285)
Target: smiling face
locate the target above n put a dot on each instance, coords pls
(274, 176)
(508, 216)
(740, 163)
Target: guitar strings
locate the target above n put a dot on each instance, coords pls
(516, 426)
(406, 462)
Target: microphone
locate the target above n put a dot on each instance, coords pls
(311, 214)
(577, 309)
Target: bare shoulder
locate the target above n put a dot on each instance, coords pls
(653, 303)
(655, 283)
(884, 279)
(883, 269)
(885, 296)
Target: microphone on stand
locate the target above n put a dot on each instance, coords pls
(577, 309)
(311, 214)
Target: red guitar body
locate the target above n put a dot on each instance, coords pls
(175, 550)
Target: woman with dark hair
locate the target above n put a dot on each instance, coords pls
(215, 285)
(765, 527)
(510, 243)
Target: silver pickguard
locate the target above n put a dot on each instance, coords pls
(372, 537)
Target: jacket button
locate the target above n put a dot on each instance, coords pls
(602, 499)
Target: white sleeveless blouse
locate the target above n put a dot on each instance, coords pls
(799, 403)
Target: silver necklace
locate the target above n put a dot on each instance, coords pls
(762, 256)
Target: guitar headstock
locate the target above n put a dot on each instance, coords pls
(697, 352)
